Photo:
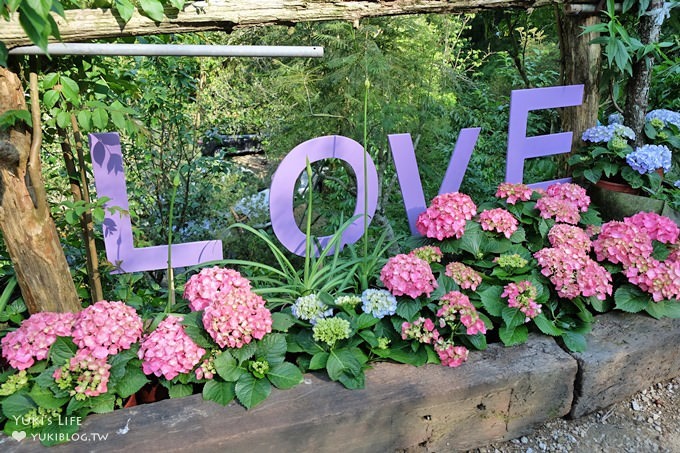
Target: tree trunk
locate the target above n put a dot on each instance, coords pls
(225, 15)
(637, 89)
(28, 230)
(579, 64)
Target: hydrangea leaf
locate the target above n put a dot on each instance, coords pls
(282, 321)
(547, 326)
(250, 391)
(43, 397)
(17, 405)
(133, 380)
(272, 348)
(227, 368)
(365, 320)
(513, 336)
(664, 309)
(408, 309)
(244, 353)
(630, 299)
(318, 361)
(342, 361)
(513, 317)
(574, 341)
(180, 390)
(62, 350)
(102, 404)
(491, 299)
(284, 375)
(220, 392)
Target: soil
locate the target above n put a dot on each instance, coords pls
(649, 421)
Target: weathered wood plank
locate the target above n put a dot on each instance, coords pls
(220, 15)
(501, 393)
(626, 353)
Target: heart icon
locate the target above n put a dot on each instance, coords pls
(19, 435)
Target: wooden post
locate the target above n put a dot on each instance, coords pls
(579, 64)
(27, 228)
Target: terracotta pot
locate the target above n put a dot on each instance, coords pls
(131, 401)
(616, 187)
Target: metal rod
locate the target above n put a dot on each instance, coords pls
(171, 50)
(586, 8)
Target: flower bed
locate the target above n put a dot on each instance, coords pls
(528, 263)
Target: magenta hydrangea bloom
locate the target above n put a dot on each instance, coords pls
(561, 210)
(512, 193)
(32, 340)
(457, 302)
(89, 374)
(202, 288)
(408, 275)
(106, 328)
(446, 216)
(422, 330)
(562, 235)
(522, 295)
(168, 350)
(449, 354)
(573, 273)
(499, 220)
(658, 227)
(660, 279)
(622, 242)
(234, 318)
(464, 276)
(570, 192)
(563, 202)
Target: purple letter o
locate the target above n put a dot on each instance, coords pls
(283, 187)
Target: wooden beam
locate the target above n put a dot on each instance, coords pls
(221, 15)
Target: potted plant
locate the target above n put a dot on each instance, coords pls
(626, 180)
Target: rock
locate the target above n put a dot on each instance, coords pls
(635, 405)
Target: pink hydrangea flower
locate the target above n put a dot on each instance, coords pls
(429, 253)
(562, 235)
(522, 295)
(202, 288)
(499, 220)
(105, 328)
(422, 330)
(168, 350)
(514, 192)
(89, 374)
(622, 242)
(446, 216)
(457, 302)
(408, 275)
(32, 340)
(658, 227)
(450, 355)
(570, 192)
(464, 276)
(234, 318)
(563, 203)
(561, 210)
(660, 279)
(573, 273)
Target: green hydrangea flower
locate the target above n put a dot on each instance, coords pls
(513, 261)
(330, 330)
(14, 382)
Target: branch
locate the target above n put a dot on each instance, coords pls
(34, 154)
(221, 15)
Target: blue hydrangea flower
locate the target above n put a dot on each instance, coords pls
(615, 118)
(378, 303)
(603, 134)
(310, 308)
(667, 116)
(649, 158)
(677, 183)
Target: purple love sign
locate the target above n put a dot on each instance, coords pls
(283, 188)
(109, 177)
(409, 179)
(521, 147)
